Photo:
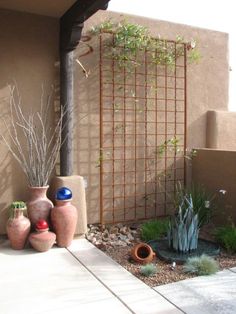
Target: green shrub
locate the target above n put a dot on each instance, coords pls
(201, 265)
(154, 229)
(148, 270)
(226, 236)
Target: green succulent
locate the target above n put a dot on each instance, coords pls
(18, 204)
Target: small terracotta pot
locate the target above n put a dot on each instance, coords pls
(142, 253)
(18, 228)
(42, 240)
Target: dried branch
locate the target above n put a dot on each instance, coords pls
(31, 140)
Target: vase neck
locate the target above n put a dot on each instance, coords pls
(63, 202)
(37, 192)
(18, 212)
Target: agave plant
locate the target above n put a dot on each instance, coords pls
(183, 227)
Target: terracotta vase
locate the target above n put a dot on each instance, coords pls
(64, 220)
(142, 253)
(18, 228)
(42, 240)
(39, 206)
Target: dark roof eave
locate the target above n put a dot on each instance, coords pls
(71, 23)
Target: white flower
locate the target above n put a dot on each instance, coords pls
(223, 192)
(207, 204)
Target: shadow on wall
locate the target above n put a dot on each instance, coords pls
(13, 184)
(87, 121)
(215, 170)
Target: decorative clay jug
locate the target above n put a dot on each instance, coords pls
(39, 206)
(142, 253)
(64, 217)
(42, 240)
(18, 228)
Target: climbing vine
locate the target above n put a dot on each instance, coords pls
(131, 39)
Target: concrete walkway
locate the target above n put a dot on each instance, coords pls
(82, 279)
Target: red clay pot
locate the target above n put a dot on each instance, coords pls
(142, 253)
(42, 240)
(64, 220)
(18, 228)
(39, 206)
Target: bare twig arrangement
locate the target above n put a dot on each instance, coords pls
(32, 139)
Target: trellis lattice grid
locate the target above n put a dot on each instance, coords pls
(142, 134)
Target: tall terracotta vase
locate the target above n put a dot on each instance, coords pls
(64, 220)
(18, 228)
(39, 206)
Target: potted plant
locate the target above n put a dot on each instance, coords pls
(34, 142)
(18, 226)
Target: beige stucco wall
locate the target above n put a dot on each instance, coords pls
(207, 89)
(28, 53)
(215, 170)
(207, 81)
(221, 130)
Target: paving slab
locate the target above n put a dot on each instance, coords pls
(140, 298)
(205, 294)
(53, 282)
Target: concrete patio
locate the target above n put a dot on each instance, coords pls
(82, 279)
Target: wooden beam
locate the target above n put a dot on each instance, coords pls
(71, 23)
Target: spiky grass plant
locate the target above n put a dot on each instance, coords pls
(201, 265)
(154, 229)
(202, 201)
(183, 227)
(148, 270)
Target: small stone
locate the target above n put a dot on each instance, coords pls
(134, 226)
(113, 237)
(120, 243)
(101, 245)
(119, 225)
(94, 240)
(130, 237)
(94, 229)
(105, 234)
(114, 230)
(122, 237)
(124, 230)
(127, 242)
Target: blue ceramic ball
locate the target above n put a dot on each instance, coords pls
(63, 193)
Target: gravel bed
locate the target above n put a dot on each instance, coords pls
(117, 241)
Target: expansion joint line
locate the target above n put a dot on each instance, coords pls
(101, 281)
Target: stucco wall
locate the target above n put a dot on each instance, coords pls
(221, 130)
(215, 170)
(207, 89)
(28, 53)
